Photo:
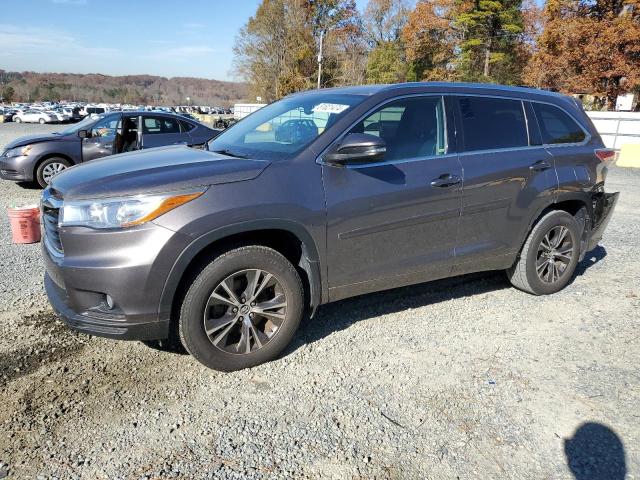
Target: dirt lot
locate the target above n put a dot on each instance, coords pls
(464, 378)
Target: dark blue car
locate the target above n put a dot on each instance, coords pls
(40, 157)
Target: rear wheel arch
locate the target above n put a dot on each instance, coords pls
(292, 240)
(577, 204)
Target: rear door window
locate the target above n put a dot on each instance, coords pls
(557, 126)
(159, 125)
(493, 123)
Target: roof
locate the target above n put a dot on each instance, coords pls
(448, 86)
(144, 112)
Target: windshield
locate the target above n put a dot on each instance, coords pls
(282, 129)
(85, 124)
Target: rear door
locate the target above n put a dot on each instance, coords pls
(100, 141)
(160, 131)
(394, 222)
(508, 176)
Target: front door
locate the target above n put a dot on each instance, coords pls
(394, 222)
(100, 141)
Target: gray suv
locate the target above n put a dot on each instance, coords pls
(40, 157)
(222, 251)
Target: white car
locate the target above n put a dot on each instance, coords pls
(58, 116)
(34, 116)
(93, 110)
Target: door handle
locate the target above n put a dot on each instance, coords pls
(445, 180)
(540, 165)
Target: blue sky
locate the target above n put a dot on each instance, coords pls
(118, 37)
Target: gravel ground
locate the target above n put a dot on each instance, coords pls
(463, 378)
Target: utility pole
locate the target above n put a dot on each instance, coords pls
(320, 59)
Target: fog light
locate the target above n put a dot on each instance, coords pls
(110, 302)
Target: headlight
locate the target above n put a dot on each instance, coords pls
(123, 212)
(19, 151)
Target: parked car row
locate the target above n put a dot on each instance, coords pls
(76, 111)
(57, 114)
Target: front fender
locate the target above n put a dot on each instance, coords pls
(309, 262)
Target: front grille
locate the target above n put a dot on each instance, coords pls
(51, 204)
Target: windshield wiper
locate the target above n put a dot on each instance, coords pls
(229, 153)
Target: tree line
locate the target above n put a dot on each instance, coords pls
(131, 89)
(573, 46)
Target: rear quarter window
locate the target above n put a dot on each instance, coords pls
(493, 123)
(556, 126)
(186, 126)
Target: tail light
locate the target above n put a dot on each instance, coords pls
(605, 154)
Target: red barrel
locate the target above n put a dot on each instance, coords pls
(25, 223)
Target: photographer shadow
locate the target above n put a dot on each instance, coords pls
(595, 452)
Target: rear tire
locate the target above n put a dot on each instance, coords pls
(17, 120)
(549, 257)
(242, 309)
(49, 168)
(42, 121)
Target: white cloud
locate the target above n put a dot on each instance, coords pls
(70, 2)
(193, 25)
(27, 47)
(185, 52)
(26, 40)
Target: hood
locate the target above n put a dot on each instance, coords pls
(155, 170)
(29, 139)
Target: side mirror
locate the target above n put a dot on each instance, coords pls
(83, 133)
(357, 148)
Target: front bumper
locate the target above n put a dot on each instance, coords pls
(16, 169)
(130, 266)
(99, 324)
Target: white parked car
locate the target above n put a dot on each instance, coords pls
(58, 116)
(93, 110)
(34, 116)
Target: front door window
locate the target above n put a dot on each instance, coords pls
(411, 127)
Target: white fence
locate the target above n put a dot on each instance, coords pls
(617, 128)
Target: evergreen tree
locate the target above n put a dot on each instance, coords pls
(491, 40)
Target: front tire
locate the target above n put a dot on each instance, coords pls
(42, 121)
(242, 309)
(17, 120)
(49, 168)
(549, 257)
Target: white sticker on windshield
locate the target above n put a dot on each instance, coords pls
(330, 108)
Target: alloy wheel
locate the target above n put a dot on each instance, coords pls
(52, 169)
(245, 311)
(554, 255)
